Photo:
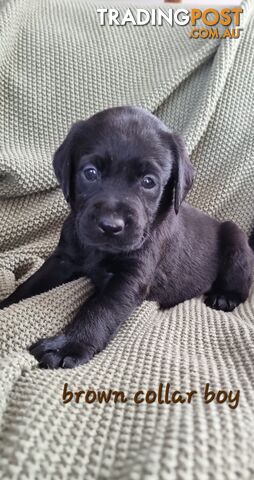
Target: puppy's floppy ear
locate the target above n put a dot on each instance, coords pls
(62, 162)
(183, 171)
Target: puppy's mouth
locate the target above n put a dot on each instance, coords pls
(111, 247)
(112, 244)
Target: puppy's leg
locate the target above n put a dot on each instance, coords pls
(59, 268)
(95, 324)
(56, 270)
(234, 278)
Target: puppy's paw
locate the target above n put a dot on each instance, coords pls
(222, 301)
(61, 352)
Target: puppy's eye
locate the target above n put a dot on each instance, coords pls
(91, 174)
(147, 182)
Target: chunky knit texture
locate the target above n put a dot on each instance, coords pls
(58, 65)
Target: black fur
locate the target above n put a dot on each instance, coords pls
(125, 176)
(252, 240)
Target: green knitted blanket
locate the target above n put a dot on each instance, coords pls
(57, 65)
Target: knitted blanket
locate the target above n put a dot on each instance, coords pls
(57, 65)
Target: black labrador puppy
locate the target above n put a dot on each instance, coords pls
(125, 176)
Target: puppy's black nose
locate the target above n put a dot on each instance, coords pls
(110, 225)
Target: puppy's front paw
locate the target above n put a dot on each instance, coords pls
(222, 301)
(61, 351)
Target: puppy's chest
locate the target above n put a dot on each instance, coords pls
(98, 268)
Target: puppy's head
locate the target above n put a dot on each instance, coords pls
(120, 171)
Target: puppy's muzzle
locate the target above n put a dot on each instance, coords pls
(111, 223)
